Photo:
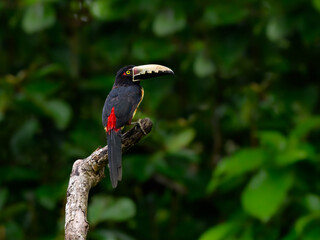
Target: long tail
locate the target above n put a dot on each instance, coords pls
(114, 156)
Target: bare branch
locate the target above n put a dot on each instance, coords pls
(88, 172)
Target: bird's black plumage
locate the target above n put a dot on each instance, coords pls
(125, 100)
(120, 106)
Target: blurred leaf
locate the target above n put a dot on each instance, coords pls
(42, 88)
(228, 53)
(48, 69)
(292, 235)
(312, 202)
(31, 2)
(11, 210)
(240, 162)
(180, 140)
(49, 195)
(316, 4)
(265, 193)
(3, 197)
(155, 93)
(312, 234)
(187, 155)
(109, 235)
(74, 151)
(38, 17)
(248, 233)
(22, 138)
(84, 136)
(168, 21)
(224, 14)
(147, 49)
(107, 10)
(158, 159)
(14, 231)
(218, 232)
(98, 83)
(4, 103)
(8, 174)
(108, 49)
(104, 208)
(291, 156)
(213, 185)
(276, 29)
(302, 222)
(203, 66)
(304, 127)
(272, 139)
(139, 166)
(59, 111)
(101, 9)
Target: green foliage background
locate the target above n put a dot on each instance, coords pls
(234, 152)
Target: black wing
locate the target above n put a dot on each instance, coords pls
(125, 100)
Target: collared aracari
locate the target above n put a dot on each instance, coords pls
(121, 106)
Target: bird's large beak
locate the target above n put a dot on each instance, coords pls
(150, 71)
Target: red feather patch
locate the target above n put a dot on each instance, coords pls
(112, 120)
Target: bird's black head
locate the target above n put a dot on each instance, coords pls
(125, 76)
(131, 74)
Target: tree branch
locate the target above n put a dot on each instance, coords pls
(88, 172)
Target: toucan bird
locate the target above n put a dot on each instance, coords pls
(120, 107)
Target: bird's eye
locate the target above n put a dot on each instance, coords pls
(128, 72)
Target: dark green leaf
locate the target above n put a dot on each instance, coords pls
(302, 222)
(291, 156)
(218, 232)
(42, 88)
(22, 138)
(265, 193)
(109, 235)
(139, 166)
(146, 49)
(107, 10)
(203, 66)
(236, 165)
(272, 139)
(316, 4)
(3, 197)
(225, 14)
(47, 70)
(168, 22)
(9, 174)
(292, 235)
(59, 111)
(13, 231)
(10, 211)
(49, 195)
(241, 162)
(305, 127)
(38, 17)
(312, 202)
(104, 208)
(180, 140)
(312, 233)
(276, 29)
